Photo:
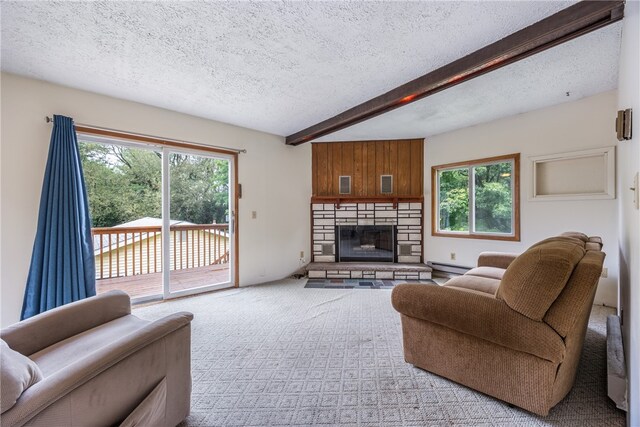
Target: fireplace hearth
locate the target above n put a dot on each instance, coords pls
(366, 243)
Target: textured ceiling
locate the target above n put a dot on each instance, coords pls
(276, 66)
(583, 67)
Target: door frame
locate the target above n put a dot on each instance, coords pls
(111, 136)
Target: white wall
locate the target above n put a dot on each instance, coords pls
(573, 126)
(275, 178)
(629, 230)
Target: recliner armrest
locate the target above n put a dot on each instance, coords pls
(496, 259)
(478, 315)
(52, 388)
(41, 331)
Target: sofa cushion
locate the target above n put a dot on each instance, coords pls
(576, 235)
(534, 280)
(574, 240)
(17, 374)
(577, 294)
(595, 239)
(496, 259)
(592, 246)
(489, 272)
(475, 283)
(38, 332)
(64, 353)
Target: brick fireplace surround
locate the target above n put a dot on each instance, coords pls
(408, 219)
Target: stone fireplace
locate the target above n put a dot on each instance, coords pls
(380, 241)
(367, 208)
(403, 220)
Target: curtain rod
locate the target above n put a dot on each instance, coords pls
(195, 144)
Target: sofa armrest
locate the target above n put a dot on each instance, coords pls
(41, 331)
(479, 315)
(49, 390)
(496, 259)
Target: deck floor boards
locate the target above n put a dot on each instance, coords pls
(143, 285)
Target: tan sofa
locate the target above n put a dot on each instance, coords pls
(92, 363)
(513, 327)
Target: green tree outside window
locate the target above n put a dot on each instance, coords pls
(476, 198)
(125, 184)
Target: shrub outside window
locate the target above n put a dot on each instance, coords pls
(477, 199)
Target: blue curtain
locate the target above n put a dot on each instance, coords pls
(62, 264)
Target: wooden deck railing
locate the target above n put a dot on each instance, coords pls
(129, 251)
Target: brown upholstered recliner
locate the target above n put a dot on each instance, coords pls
(92, 363)
(513, 327)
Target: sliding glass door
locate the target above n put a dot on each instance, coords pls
(199, 239)
(162, 218)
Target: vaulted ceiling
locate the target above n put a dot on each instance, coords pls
(579, 68)
(282, 66)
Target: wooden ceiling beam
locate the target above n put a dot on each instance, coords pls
(569, 23)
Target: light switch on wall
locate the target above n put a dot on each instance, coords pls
(254, 214)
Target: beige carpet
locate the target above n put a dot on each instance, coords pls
(280, 354)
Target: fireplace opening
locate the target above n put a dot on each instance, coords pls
(368, 243)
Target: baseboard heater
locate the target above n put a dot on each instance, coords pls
(439, 267)
(616, 368)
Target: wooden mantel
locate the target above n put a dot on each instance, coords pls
(365, 162)
(340, 200)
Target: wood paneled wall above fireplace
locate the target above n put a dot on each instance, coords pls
(366, 162)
